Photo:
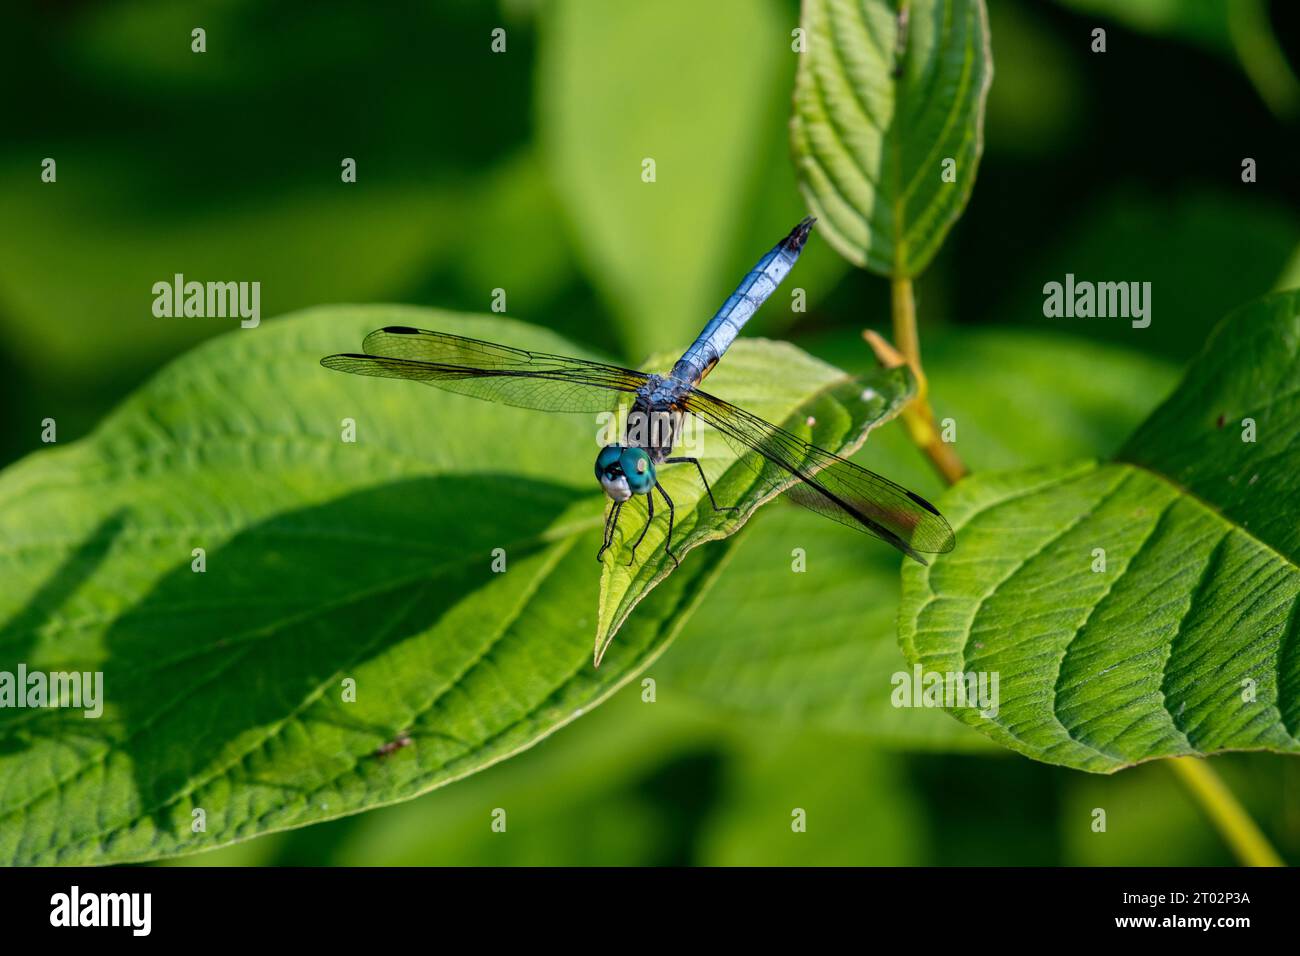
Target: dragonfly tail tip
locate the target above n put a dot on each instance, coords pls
(799, 234)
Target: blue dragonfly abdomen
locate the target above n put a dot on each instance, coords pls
(753, 291)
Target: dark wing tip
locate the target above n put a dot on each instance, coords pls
(923, 503)
(400, 330)
(949, 539)
(799, 234)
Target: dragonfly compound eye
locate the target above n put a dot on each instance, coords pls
(609, 472)
(638, 469)
(608, 457)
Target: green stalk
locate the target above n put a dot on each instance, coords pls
(918, 416)
(1239, 831)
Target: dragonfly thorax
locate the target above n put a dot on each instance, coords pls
(655, 419)
(624, 471)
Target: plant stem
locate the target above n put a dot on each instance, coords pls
(918, 416)
(1239, 831)
(903, 307)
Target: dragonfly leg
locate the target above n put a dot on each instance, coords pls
(611, 522)
(705, 481)
(650, 506)
(668, 541)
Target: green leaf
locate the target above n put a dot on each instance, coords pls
(871, 132)
(778, 382)
(578, 799)
(819, 648)
(1230, 434)
(660, 252)
(325, 561)
(573, 801)
(1185, 640)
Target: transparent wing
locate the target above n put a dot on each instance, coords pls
(828, 484)
(496, 373)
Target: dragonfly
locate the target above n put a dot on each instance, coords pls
(809, 475)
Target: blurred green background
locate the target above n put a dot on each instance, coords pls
(521, 170)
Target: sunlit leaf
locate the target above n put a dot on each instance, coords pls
(890, 97)
(442, 562)
(1144, 607)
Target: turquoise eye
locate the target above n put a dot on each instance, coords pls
(624, 472)
(609, 455)
(639, 469)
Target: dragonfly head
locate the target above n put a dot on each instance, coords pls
(624, 472)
